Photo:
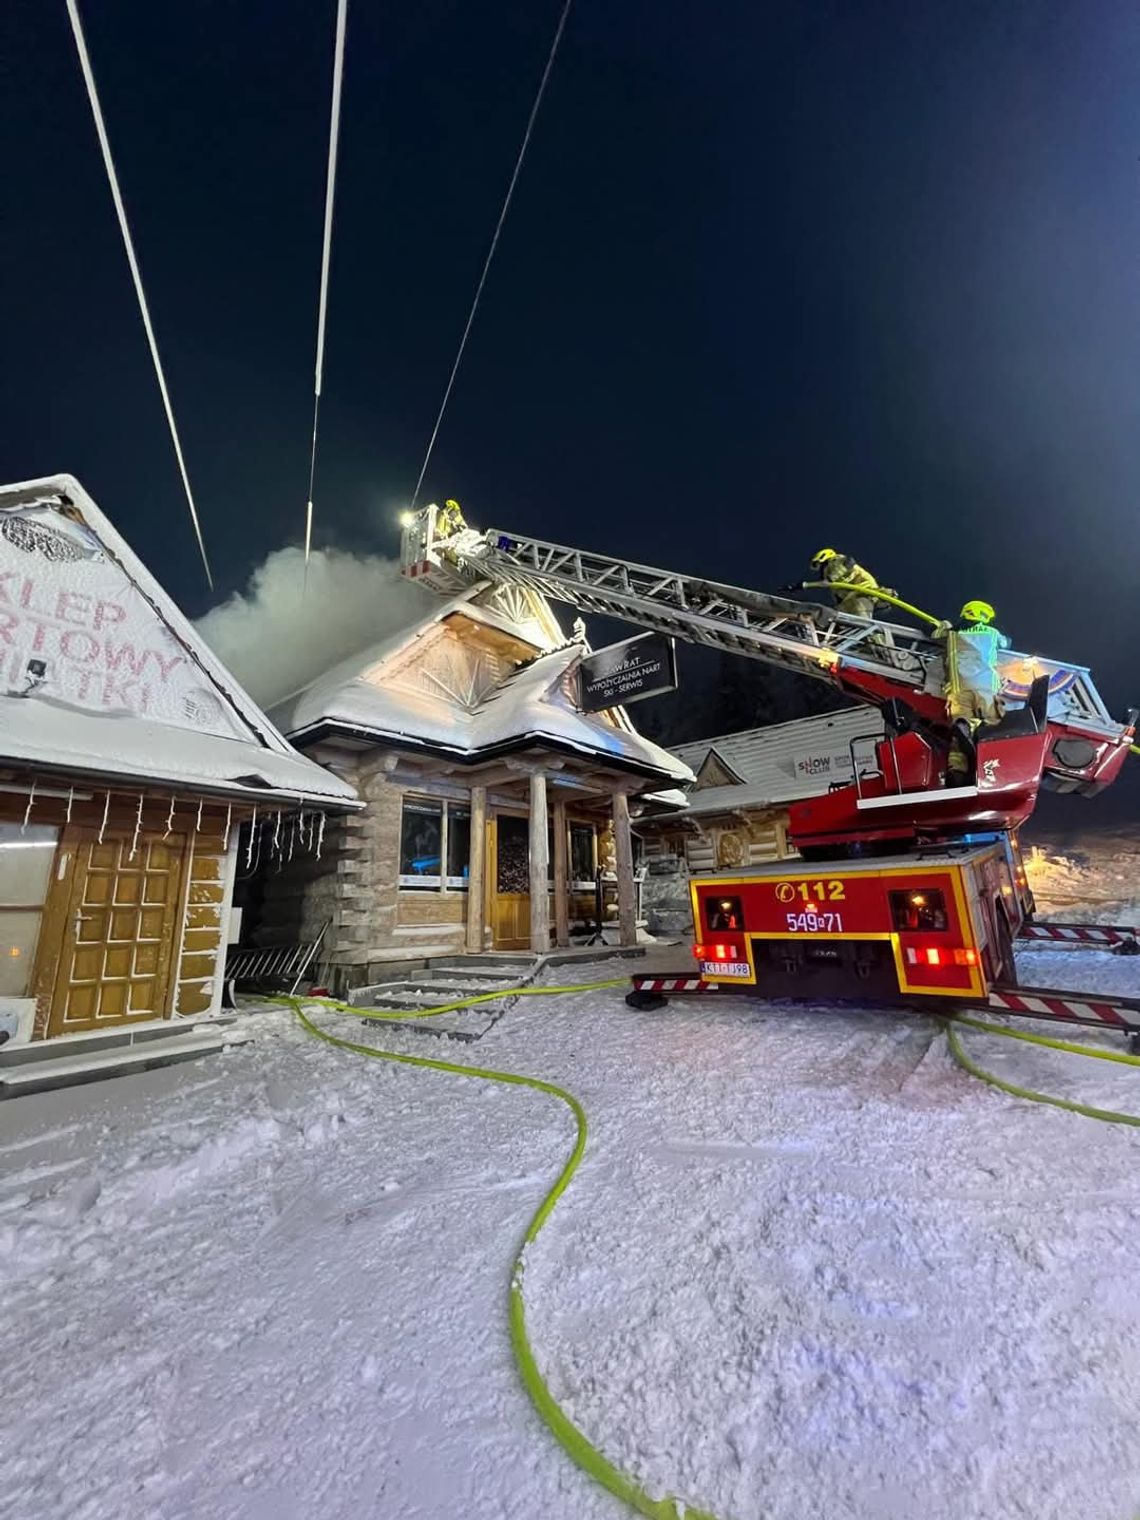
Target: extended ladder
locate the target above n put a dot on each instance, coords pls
(814, 641)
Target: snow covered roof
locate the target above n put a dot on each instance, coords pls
(781, 762)
(499, 707)
(100, 673)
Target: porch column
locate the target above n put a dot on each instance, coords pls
(477, 870)
(539, 860)
(623, 851)
(561, 877)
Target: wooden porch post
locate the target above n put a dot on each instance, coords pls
(539, 860)
(623, 850)
(477, 870)
(561, 877)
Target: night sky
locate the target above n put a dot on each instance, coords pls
(774, 277)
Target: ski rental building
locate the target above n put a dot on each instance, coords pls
(129, 758)
(497, 812)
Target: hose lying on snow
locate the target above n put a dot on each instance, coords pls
(1108, 1115)
(565, 1431)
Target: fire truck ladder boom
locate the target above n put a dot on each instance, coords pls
(815, 641)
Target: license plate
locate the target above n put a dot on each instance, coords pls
(726, 968)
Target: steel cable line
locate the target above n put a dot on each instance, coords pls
(117, 196)
(322, 307)
(491, 250)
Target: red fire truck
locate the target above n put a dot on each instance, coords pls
(909, 887)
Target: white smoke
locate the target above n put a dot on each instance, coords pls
(278, 635)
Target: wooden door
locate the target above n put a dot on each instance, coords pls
(509, 877)
(120, 932)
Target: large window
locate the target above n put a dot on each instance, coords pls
(582, 855)
(429, 831)
(25, 871)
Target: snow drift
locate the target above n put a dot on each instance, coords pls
(278, 634)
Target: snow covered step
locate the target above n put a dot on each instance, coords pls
(413, 996)
(69, 1070)
(98, 1041)
(485, 965)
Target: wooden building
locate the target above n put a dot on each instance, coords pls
(129, 759)
(492, 801)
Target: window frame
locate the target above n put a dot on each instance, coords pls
(440, 881)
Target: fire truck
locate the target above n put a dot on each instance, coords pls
(909, 889)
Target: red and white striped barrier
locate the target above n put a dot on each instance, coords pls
(674, 984)
(1068, 1006)
(1080, 934)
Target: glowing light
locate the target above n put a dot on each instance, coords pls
(934, 956)
(698, 951)
(811, 907)
(918, 900)
(14, 951)
(407, 519)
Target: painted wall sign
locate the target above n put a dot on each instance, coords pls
(627, 672)
(74, 629)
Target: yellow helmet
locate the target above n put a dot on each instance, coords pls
(822, 557)
(977, 612)
(451, 502)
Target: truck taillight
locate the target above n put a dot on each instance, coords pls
(935, 955)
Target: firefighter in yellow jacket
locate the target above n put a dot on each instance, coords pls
(973, 681)
(840, 570)
(448, 519)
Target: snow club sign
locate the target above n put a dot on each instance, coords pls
(75, 629)
(627, 672)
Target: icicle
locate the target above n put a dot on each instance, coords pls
(252, 832)
(138, 828)
(277, 832)
(320, 833)
(198, 824)
(70, 799)
(169, 820)
(292, 836)
(28, 809)
(229, 815)
(106, 810)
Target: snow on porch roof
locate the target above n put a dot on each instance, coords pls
(100, 673)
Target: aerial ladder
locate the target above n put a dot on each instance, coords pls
(909, 889)
(1074, 744)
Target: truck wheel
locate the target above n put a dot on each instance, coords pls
(1004, 949)
(644, 1000)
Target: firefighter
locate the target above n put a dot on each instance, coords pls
(448, 519)
(973, 681)
(835, 569)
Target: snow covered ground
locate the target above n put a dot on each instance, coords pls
(809, 1267)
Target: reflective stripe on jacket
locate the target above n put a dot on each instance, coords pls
(976, 651)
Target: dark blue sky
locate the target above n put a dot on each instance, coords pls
(774, 277)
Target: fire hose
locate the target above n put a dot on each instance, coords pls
(574, 1441)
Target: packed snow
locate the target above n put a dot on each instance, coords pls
(809, 1267)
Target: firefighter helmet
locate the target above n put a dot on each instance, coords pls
(977, 612)
(819, 560)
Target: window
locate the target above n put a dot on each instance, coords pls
(26, 858)
(458, 845)
(582, 855)
(921, 910)
(429, 830)
(421, 843)
(723, 913)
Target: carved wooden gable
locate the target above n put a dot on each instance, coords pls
(715, 772)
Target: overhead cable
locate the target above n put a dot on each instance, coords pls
(117, 196)
(491, 250)
(330, 189)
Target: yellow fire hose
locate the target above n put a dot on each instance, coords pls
(573, 1440)
(878, 594)
(1108, 1115)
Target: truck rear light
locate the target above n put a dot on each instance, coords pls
(720, 953)
(935, 955)
(699, 952)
